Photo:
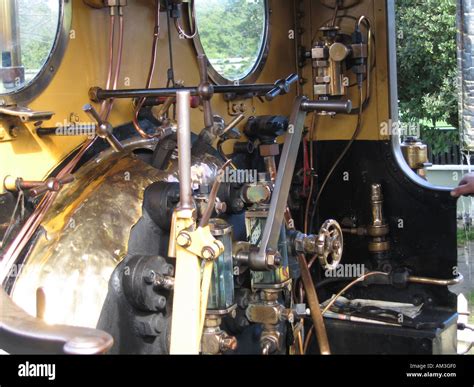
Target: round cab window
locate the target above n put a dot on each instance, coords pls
(28, 30)
(233, 35)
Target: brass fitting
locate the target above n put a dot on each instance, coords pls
(416, 155)
(214, 340)
(378, 229)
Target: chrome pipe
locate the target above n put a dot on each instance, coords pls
(184, 148)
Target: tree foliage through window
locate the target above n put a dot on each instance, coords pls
(427, 68)
(232, 34)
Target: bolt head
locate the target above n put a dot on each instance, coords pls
(14, 132)
(221, 207)
(150, 277)
(168, 270)
(183, 239)
(208, 253)
(160, 303)
(273, 258)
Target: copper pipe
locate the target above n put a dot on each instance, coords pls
(270, 166)
(35, 219)
(412, 279)
(111, 61)
(311, 262)
(212, 197)
(156, 36)
(434, 281)
(369, 54)
(353, 283)
(32, 223)
(334, 299)
(180, 28)
(314, 306)
(118, 65)
(311, 164)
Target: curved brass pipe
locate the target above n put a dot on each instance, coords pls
(314, 306)
(435, 281)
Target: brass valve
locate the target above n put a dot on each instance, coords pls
(328, 245)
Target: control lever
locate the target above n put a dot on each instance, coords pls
(230, 132)
(104, 129)
(205, 91)
(52, 184)
(278, 204)
(36, 188)
(282, 87)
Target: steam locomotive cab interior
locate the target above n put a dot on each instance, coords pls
(215, 177)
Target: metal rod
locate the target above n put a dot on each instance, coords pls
(278, 204)
(330, 106)
(97, 94)
(184, 149)
(237, 120)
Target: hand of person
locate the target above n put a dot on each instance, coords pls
(466, 186)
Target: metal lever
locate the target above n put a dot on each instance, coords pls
(278, 204)
(205, 91)
(282, 87)
(36, 187)
(230, 131)
(21, 333)
(104, 129)
(51, 184)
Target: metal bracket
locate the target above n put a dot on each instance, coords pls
(25, 114)
(201, 243)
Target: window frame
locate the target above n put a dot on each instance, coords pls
(38, 84)
(259, 64)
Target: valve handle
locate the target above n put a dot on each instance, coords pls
(330, 245)
(52, 184)
(104, 129)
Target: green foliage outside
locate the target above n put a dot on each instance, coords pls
(464, 236)
(38, 22)
(427, 69)
(231, 32)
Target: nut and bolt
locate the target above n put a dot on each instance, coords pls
(208, 253)
(160, 302)
(14, 132)
(168, 269)
(273, 258)
(183, 239)
(150, 277)
(221, 207)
